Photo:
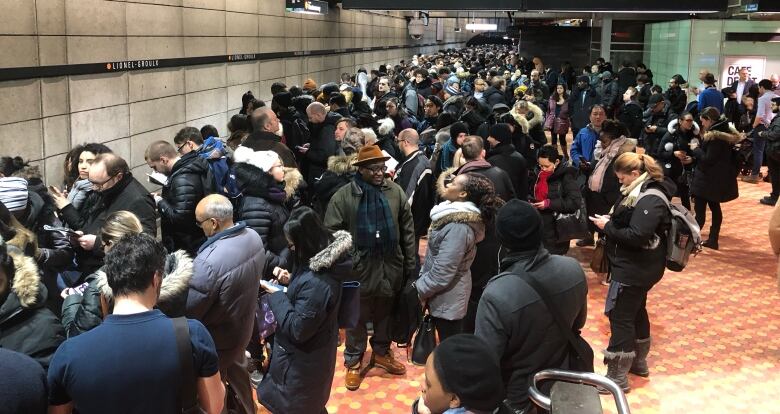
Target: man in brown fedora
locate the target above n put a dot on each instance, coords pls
(376, 212)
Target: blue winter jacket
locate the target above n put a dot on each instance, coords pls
(583, 145)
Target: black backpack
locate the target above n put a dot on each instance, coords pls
(683, 237)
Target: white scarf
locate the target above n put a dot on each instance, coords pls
(446, 208)
(632, 191)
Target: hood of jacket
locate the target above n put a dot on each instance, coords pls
(490, 91)
(458, 212)
(674, 125)
(476, 165)
(425, 84)
(176, 278)
(440, 181)
(292, 180)
(724, 131)
(535, 116)
(667, 186)
(334, 253)
(27, 288)
(561, 170)
(253, 181)
(332, 118)
(342, 164)
(521, 120)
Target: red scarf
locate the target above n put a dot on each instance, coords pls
(541, 188)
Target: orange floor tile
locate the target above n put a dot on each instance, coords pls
(715, 326)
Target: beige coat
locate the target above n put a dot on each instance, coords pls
(774, 236)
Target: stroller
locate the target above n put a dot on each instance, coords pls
(743, 156)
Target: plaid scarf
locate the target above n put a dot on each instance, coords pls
(375, 226)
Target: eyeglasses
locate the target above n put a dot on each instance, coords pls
(98, 186)
(377, 169)
(687, 120)
(199, 223)
(181, 146)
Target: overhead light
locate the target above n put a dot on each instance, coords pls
(482, 26)
(307, 7)
(506, 37)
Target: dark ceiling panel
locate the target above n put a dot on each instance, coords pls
(565, 5)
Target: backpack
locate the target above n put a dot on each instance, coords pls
(683, 236)
(214, 152)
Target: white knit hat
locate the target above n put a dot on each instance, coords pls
(263, 160)
(13, 193)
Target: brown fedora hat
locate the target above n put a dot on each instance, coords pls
(369, 154)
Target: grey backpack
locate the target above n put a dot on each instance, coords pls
(684, 235)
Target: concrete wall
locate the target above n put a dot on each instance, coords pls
(41, 119)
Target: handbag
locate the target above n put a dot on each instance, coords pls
(264, 318)
(599, 262)
(188, 395)
(573, 225)
(580, 353)
(424, 341)
(349, 309)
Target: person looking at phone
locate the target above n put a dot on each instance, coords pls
(113, 188)
(635, 230)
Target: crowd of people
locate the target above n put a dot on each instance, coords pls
(244, 286)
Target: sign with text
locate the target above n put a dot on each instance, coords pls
(733, 64)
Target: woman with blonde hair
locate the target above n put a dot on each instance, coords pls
(86, 305)
(636, 246)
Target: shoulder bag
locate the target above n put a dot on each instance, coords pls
(188, 394)
(424, 341)
(599, 262)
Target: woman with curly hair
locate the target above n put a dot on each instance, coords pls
(458, 224)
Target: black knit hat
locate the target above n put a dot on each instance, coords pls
(501, 133)
(283, 99)
(468, 369)
(519, 226)
(458, 128)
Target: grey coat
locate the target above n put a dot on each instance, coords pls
(445, 278)
(224, 287)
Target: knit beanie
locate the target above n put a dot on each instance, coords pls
(451, 91)
(466, 367)
(519, 226)
(501, 133)
(283, 99)
(13, 193)
(458, 128)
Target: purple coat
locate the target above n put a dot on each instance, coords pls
(557, 124)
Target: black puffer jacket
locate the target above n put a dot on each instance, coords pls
(26, 325)
(340, 172)
(676, 140)
(189, 182)
(563, 191)
(323, 146)
(661, 121)
(493, 96)
(580, 108)
(631, 116)
(80, 313)
(506, 158)
(636, 241)
(715, 176)
(262, 208)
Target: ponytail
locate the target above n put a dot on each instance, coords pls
(631, 161)
(481, 192)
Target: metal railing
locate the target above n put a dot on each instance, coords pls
(587, 378)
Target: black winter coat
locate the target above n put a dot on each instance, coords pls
(636, 241)
(493, 96)
(502, 184)
(580, 111)
(323, 146)
(300, 377)
(506, 158)
(715, 176)
(26, 325)
(626, 78)
(676, 140)
(81, 313)
(515, 323)
(128, 194)
(610, 96)
(268, 141)
(677, 99)
(631, 116)
(340, 172)
(263, 210)
(189, 182)
(661, 121)
(565, 197)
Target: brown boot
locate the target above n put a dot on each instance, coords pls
(353, 378)
(388, 363)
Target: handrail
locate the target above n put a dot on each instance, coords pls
(587, 378)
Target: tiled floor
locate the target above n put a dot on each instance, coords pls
(716, 331)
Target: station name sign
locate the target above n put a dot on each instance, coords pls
(133, 64)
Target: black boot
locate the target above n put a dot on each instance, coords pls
(639, 366)
(711, 244)
(618, 364)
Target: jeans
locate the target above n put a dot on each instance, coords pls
(758, 153)
(378, 311)
(628, 320)
(700, 208)
(446, 328)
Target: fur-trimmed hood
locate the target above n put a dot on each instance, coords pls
(342, 164)
(386, 126)
(27, 284)
(449, 212)
(293, 179)
(331, 255)
(534, 117)
(440, 181)
(176, 278)
(724, 131)
(675, 123)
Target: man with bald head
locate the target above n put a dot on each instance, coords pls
(323, 143)
(267, 135)
(415, 177)
(223, 289)
(113, 189)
